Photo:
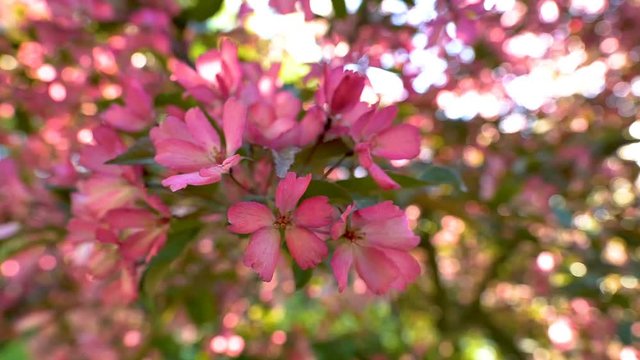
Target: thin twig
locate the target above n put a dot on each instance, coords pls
(338, 163)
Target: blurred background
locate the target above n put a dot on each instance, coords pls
(530, 239)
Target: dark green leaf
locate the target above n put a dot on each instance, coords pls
(339, 8)
(181, 234)
(202, 10)
(14, 350)
(437, 175)
(334, 192)
(301, 277)
(140, 153)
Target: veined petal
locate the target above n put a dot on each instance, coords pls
(407, 265)
(398, 142)
(305, 247)
(202, 130)
(290, 190)
(247, 217)
(341, 264)
(375, 268)
(314, 212)
(177, 182)
(263, 252)
(234, 119)
(180, 155)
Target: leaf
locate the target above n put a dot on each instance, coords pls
(437, 175)
(339, 8)
(202, 10)
(181, 234)
(14, 350)
(333, 191)
(17, 244)
(317, 157)
(140, 153)
(301, 277)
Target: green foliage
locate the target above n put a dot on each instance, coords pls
(140, 153)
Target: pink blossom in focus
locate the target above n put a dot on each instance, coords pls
(377, 242)
(375, 135)
(192, 148)
(304, 227)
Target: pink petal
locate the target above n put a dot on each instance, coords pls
(170, 128)
(263, 252)
(232, 70)
(306, 9)
(339, 227)
(341, 262)
(398, 142)
(314, 212)
(286, 105)
(177, 182)
(381, 178)
(372, 124)
(376, 269)
(181, 155)
(209, 65)
(407, 265)
(347, 93)
(234, 118)
(305, 247)
(124, 119)
(290, 190)
(185, 75)
(129, 218)
(378, 212)
(201, 129)
(247, 217)
(392, 233)
(139, 101)
(311, 126)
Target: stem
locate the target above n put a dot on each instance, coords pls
(250, 191)
(338, 163)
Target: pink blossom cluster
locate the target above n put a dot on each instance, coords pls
(243, 130)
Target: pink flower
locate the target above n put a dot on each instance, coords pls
(375, 135)
(302, 226)
(217, 75)
(340, 91)
(137, 112)
(378, 240)
(192, 147)
(289, 6)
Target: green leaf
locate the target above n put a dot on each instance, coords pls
(202, 10)
(318, 156)
(17, 244)
(437, 175)
(339, 8)
(14, 350)
(140, 153)
(301, 277)
(181, 234)
(333, 191)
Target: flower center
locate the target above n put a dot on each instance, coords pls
(353, 235)
(216, 156)
(282, 221)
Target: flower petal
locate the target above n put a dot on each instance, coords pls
(248, 216)
(305, 247)
(180, 155)
(263, 252)
(290, 190)
(407, 265)
(398, 142)
(341, 264)
(234, 119)
(381, 178)
(375, 268)
(177, 182)
(314, 212)
(202, 130)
